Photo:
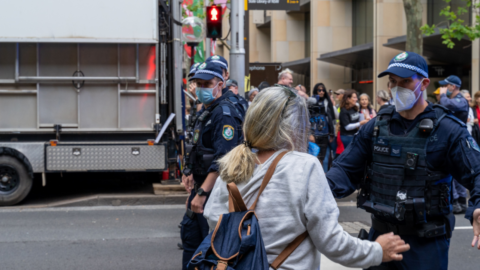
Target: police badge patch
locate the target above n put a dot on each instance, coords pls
(196, 135)
(228, 132)
(473, 144)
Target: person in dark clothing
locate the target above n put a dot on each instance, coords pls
(403, 162)
(350, 120)
(452, 99)
(217, 131)
(240, 103)
(263, 85)
(383, 99)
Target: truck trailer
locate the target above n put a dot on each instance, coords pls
(86, 86)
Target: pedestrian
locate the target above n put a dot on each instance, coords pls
(297, 197)
(232, 85)
(325, 104)
(338, 97)
(217, 130)
(476, 113)
(240, 103)
(285, 78)
(301, 91)
(389, 87)
(452, 99)
(263, 85)
(349, 117)
(403, 163)
(437, 95)
(251, 95)
(383, 99)
(365, 107)
(470, 119)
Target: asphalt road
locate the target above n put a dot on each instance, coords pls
(124, 237)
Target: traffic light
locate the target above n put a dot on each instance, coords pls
(214, 22)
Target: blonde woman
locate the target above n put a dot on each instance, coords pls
(297, 198)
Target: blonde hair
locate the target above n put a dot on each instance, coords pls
(277, 119)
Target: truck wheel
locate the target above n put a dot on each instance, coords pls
(15, 182)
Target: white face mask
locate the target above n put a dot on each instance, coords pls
(405, 98)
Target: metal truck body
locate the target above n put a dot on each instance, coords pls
(83, 87)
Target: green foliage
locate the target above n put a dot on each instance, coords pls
(457, 28)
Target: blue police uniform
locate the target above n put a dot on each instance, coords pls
(217, 130)
(240, 103)
(459, 106)
(404, 171)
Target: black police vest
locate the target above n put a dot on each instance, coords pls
(399, 186)
(201, 157)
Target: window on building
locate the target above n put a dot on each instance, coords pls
(362, 22)
(435, 6)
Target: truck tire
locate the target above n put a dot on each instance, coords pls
(15, 181)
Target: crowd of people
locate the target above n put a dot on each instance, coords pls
(403, 159)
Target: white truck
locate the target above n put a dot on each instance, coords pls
(85, 86)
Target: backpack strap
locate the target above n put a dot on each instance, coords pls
(288, 250)
(235, 201)
(268, 176)
(236, 204)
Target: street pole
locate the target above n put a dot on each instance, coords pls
(208, 41)
(177, 52)
(237, 52)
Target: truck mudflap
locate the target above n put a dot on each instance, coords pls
(129, 157)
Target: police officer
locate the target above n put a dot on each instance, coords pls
(452, 99)
(240, 103)
(217, 130)
(403, 161)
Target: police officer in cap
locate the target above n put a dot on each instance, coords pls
(452, 99)
(240, 103)
(403, 162)
(217, 130)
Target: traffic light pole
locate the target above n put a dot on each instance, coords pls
(237, 52)
(208, 41)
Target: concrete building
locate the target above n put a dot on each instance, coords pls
(346, 43)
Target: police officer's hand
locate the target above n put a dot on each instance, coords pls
(187, 182)
(197, 204)
(392, 246)
(443, 90)
(311, 138)
(476, 228)
(191, 88)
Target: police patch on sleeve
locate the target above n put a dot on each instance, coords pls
(196, 135)
(473, 144)
(228, 132)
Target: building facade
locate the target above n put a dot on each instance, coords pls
(346, 43)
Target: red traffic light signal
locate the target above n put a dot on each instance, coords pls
(214, 22)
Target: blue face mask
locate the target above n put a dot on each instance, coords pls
(449, 93)
(205, 95)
